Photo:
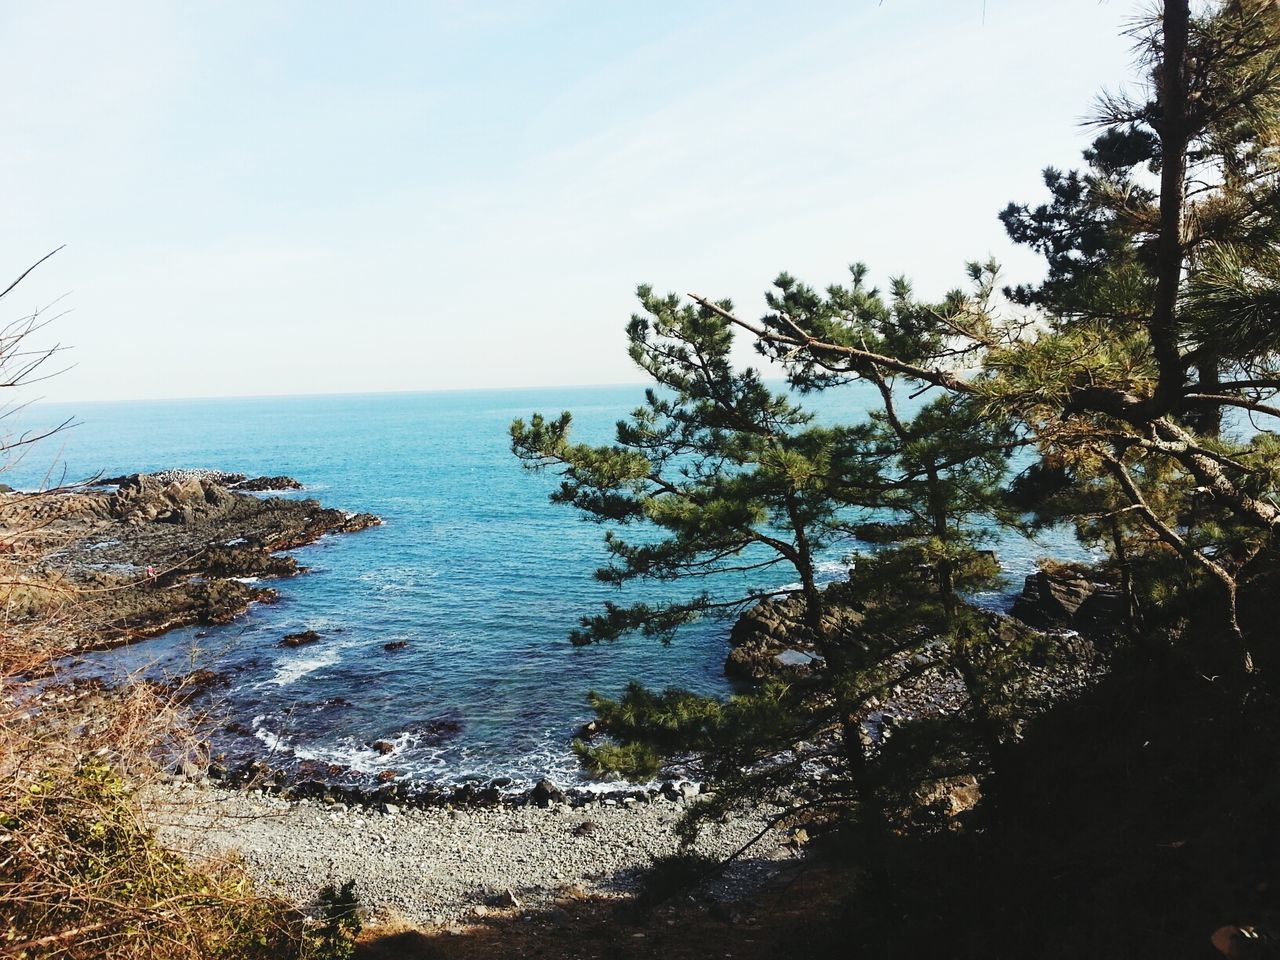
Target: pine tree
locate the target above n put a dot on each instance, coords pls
(727, 477)
(1157, 317)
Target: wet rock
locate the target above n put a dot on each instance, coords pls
(382, 747)
(196, 682)
(264, 484)
(300, 639)
(395, 645)
(438, 729)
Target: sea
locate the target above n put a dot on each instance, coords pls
(473, 569)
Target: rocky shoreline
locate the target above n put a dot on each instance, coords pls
(139, 555)
(135, 556)
(130, 558)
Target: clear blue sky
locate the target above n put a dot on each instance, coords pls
(264, 198)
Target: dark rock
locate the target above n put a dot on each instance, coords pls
(243, 561)
(438, 729)
(1070, 599)
(463, 795)
(300, 639)
(777, 628)
(196, 682)
(395, 645)
(725, 912)
(262, 484)
(382, 746)
(1051, 599)
(387, 776)
(249, 774)
(545, 793)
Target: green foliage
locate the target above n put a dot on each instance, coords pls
(728, 477)
(1156, 316)
(339, 923)
(635, 761)
(83, 876)
(725, 475)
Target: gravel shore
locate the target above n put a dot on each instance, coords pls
(440, 866)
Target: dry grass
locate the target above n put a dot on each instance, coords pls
(81, 874)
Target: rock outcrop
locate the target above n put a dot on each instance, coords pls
(157, 552)
(772, 637)
(1071, 599)
(266, 484)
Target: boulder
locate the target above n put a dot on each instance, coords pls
(1070, 599)
(300, 639)
(772, 637)
(504, 899)
(545, 793)
(949, 797)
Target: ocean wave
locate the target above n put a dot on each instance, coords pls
(290, 669)
(358, 757)
(399, 579)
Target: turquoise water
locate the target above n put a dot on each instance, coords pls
(473, 568)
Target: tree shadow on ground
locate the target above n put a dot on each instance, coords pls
(1131, 823)
(772, 924)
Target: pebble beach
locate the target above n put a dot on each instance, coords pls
(440, 866)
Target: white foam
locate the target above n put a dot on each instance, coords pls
(293, 668)
(400, 579)
(357, 757)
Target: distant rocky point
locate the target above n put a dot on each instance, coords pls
(231, 481)
(160, 551)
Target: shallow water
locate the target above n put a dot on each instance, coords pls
(473, 568)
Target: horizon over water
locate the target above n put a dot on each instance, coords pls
(473, 567)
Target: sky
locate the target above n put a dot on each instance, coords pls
(295, 198)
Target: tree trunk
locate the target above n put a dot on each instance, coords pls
(871, 819)
(1207, 420)
(1132, 612)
